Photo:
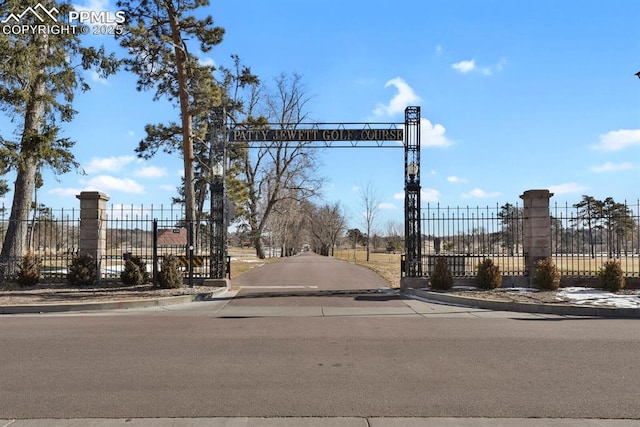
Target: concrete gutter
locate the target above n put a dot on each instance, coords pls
(108, 305)
(523, 307)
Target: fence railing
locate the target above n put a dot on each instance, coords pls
(130, 232)
(465, 236)
(583, 240)
(53, 235)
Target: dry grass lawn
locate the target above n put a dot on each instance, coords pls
(386, 265)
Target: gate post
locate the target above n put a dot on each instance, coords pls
(93, 230)
(218, 214)
(536, 228)
(412, 267)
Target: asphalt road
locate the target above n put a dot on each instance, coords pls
(401, 358)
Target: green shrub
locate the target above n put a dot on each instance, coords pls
(547, 277)
(131, 274)
(135, 272)
(146, 277)
(169, 275)
(610, 277)
(441, 279)
(489, 276)
(29, 270)
(83, 271)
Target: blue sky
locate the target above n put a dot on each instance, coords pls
(514, 96)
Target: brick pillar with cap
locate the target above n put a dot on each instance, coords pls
(536, 229)
(93, 229)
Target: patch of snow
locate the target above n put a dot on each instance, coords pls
(590, 296)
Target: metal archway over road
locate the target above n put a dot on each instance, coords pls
(323, 135)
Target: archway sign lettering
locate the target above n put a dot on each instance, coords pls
(323, 135)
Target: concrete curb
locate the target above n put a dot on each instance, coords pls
(108, 305)
(522, 307)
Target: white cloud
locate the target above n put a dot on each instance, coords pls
(429, 195)
(464, 66)
(438, 49)
(108, 164)
(207, 62)
(105, 183)
(478, 193)
(405, 97)
(568, 187)
(468, 66)
(150, 172)
(618, 140)
(387, 206)
(65, 192)
(433, 135)
(426, 195)
(456, 179)
(167, 187)
(611, 167)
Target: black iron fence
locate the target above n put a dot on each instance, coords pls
(53, 235)
(160, 231)
(584, 237)
(465, 236)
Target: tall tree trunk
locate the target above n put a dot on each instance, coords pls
(16, 237)
(187, 142)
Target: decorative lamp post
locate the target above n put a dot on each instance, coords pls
(217, 217)
(412, 267)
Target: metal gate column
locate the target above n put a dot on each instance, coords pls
(218, 241)
(412, 267)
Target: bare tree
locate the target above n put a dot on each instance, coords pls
(326, 224)
(369, 200)
(288, 221)
(279, 170)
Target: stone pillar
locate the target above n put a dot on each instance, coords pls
(536, 228)
(93, 226)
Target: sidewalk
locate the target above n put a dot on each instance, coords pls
(522, 307)
(427, 296)
(109, 305)
(320, 422)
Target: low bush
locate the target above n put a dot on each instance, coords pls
(135, 272)
(441, 278)
(611, 277)
(169, 275)
(488, 276)
(83, 271)
(547, 277)
(29, 270)
(131, 274)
